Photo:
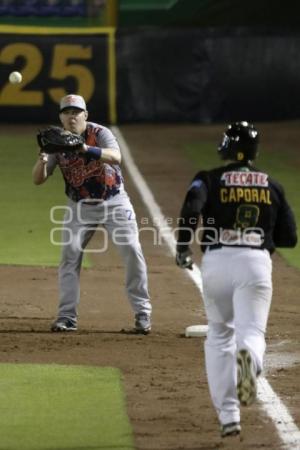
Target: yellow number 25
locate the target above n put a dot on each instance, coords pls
(16, 95)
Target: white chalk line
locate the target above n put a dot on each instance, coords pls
(150, 203)
(287, 430)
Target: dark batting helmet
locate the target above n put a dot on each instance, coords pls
(239, 142)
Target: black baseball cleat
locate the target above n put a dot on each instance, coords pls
(230, 429)
(142, 324)
(246, 378)
(64, 325)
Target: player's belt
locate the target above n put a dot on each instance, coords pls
(93, 203)
(100, 200)
(218, 246)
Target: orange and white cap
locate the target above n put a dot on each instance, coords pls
(72, 101)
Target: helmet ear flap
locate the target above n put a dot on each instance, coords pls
(224, 145)
(224, 142)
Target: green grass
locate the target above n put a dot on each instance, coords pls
(45, 407)
(25, 208)
(284, 167)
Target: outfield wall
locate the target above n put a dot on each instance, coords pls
(207, 75)
(152, 74)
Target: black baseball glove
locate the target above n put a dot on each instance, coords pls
(57, 140)
(184, 260)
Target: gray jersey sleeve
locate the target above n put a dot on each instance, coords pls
(106, 139)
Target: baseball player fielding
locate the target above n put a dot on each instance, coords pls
(96, 195)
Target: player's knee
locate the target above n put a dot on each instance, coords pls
(219, 334)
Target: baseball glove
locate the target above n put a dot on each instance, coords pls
(184, 260)
(57, 140)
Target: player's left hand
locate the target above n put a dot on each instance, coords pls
(184, 260)
(57, 140)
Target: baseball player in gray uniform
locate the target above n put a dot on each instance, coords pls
(96, 195)
(245, 216)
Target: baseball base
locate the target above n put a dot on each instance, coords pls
(196, 330)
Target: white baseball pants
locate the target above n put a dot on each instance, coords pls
(237, 292)
(118, 219)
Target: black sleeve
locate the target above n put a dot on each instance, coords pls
(192, 206)
(285, 230)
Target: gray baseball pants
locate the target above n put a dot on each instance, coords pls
(118, 219)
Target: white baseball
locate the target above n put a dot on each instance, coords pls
(15, 78)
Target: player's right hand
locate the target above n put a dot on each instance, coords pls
(43, 157)
(184, 260)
